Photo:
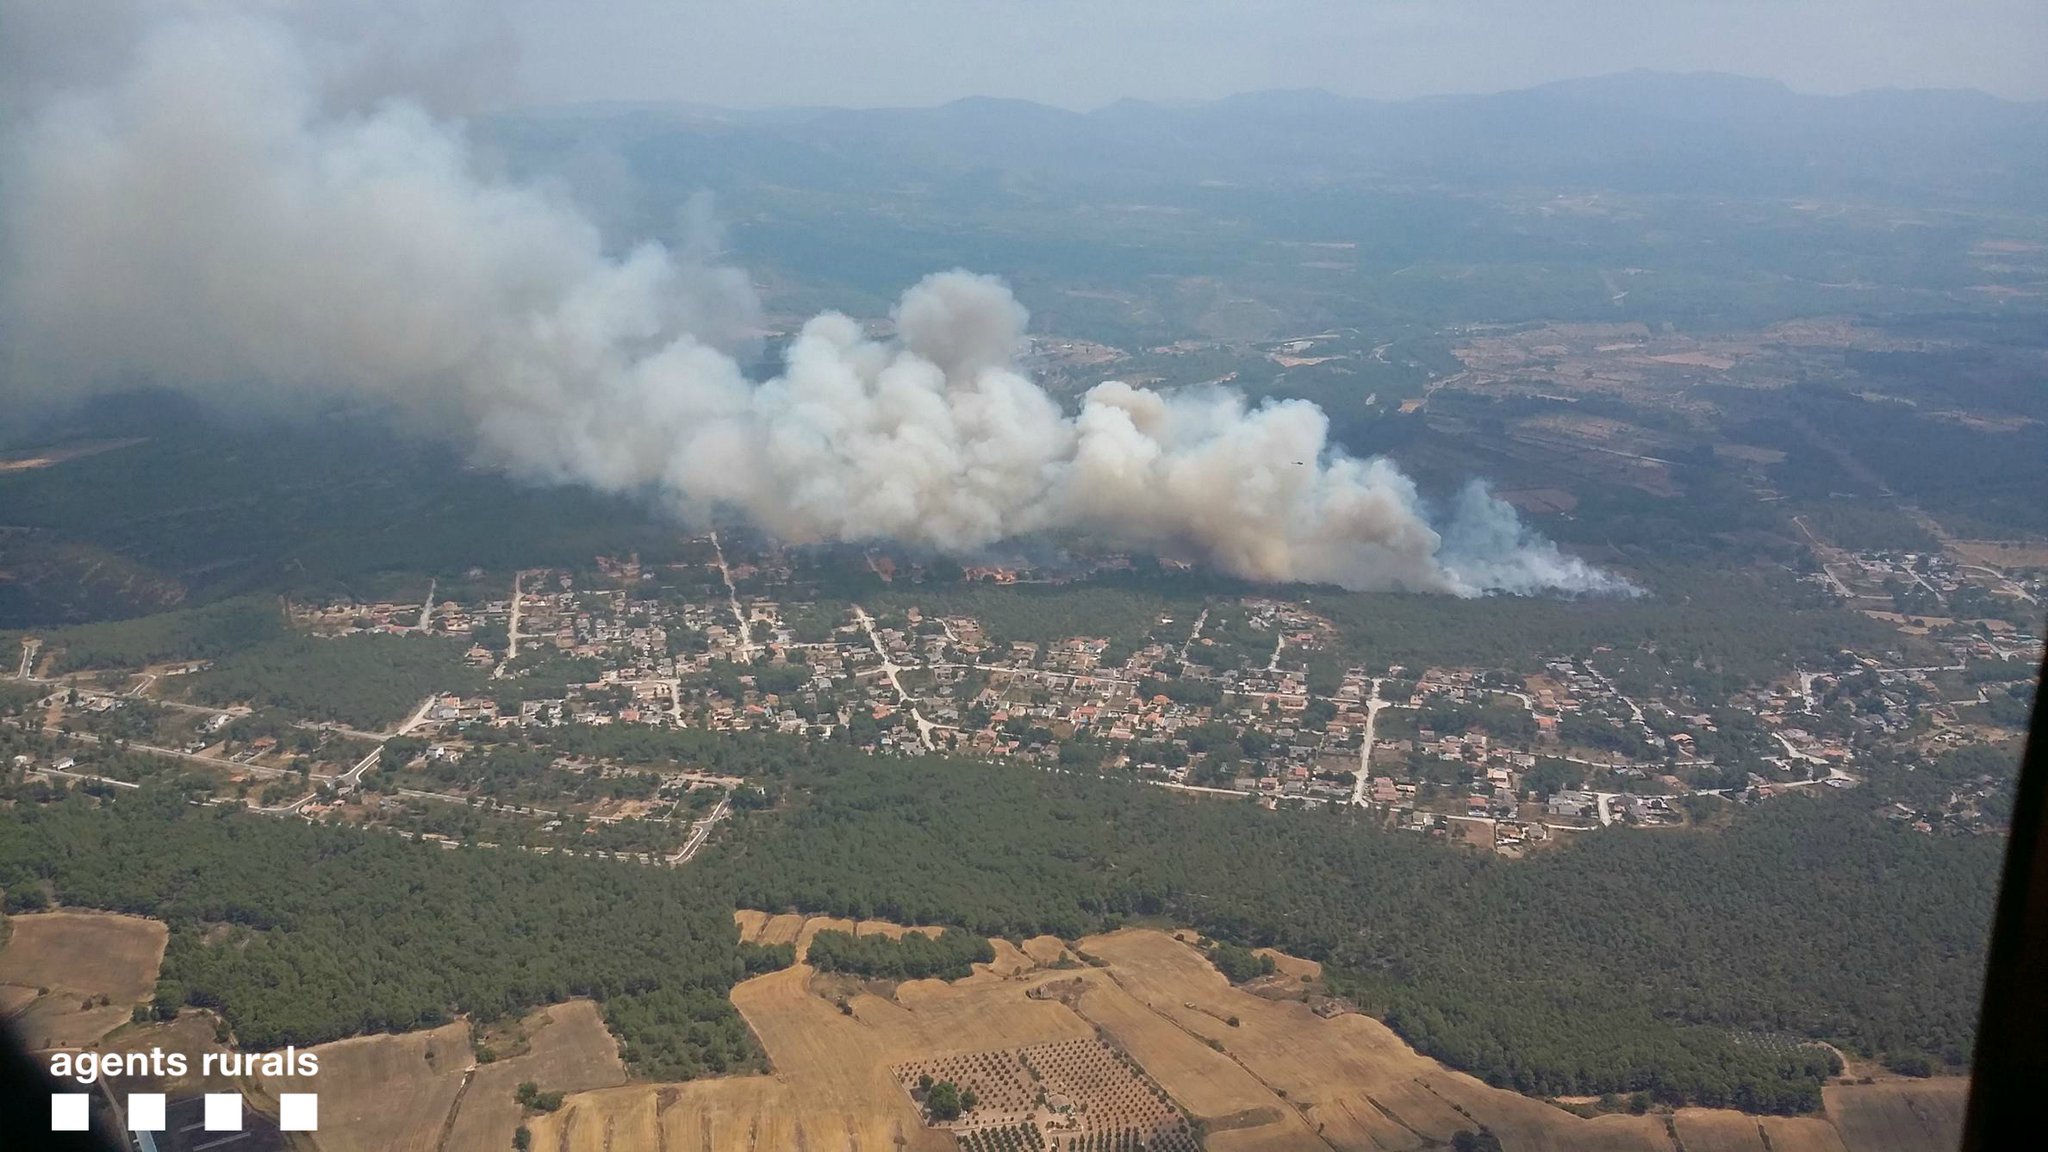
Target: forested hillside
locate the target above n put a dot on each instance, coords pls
(1672, 962)
(952, 955)
(201, 633)
(367, 680)
(300, 934)
(1635, 960)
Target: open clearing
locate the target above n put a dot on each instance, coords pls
(2000, 554)
(568, 1050)
(79, 958)
(761, 928)
(386, 1092)
(61, 1021)
(1010, 960)
(892, 931)
(1710, 1130)
(97, 952)
(1046, 950)
(1898, 1115)
(1294, 967)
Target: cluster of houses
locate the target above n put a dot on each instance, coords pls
(1229, 709)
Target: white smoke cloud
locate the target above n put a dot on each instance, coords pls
(211, 215)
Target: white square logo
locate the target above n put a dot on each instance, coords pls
(145, 1111)
(70, 1112)
(223, 1112)
(298, 1112)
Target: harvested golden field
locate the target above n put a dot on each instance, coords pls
(762, 928)
(1151, 1018)
(1010, 961)
(1358, 1085)
(96, 952)
(971, 1015)
(1241, 1111)
(567, 1050)
(380, 1093)
(892, 931)
(1717, 1130)
(741, 1114)
(1898, 1115)
(815, 925)
(1293, 966)
(839, 1075)
(69, 978)
(61, 1020)
(832, 1085)
(1807, 1134)
(1347, 1079)
(1046, 950)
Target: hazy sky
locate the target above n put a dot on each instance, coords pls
(1083, 53)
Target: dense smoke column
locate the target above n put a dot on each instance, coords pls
(222, 211)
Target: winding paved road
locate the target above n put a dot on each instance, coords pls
(890, 669)
(1373, 704)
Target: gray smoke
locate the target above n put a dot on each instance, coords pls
(222, 210)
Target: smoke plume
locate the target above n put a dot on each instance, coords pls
(220, 209)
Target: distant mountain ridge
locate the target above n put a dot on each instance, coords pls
(1636, 131)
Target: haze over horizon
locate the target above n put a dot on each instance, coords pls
(469, 56)
(783, 53)
(608, 104)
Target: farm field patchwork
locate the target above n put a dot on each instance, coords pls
(1280, 1078)
(1145, 1040)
